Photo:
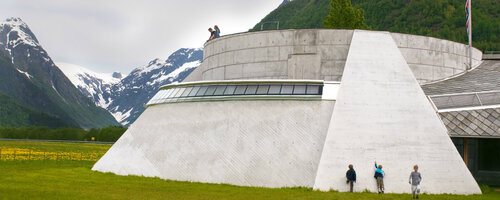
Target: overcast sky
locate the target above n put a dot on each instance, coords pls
(119, 35)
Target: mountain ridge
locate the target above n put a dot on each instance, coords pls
(19, 45)
(126, 99)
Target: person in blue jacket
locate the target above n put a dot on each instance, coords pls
(379, 175)
(351, 177)
(217, 31)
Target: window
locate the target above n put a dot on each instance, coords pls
(178, 94)
(488, 154)
(219, 90)
(201, 91)
(299, 89)
(274, 89)
(287, 89)
(186, 92)
(210, 91)
(230, 90)
(312, 89)
(251, 89)
(240, 89)
(262, 89)
(175, 94)
(194, 91)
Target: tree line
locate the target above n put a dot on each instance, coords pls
(108, 134)
(443, 19)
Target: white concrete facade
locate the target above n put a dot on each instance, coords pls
(250, 143)
(379, 112)
(382, 114)
(320, 54)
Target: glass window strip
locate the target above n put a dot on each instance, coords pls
(172, 94)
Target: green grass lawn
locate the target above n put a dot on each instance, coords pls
(66, 179)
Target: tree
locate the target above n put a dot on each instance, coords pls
(343, 15)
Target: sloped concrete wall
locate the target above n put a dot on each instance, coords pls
(251, 143)
(382, 114)
(320, 54)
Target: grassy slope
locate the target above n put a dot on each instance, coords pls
(74, 180)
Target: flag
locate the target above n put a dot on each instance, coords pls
(467, 17)
(468, 24)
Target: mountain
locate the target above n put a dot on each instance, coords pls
(31, 79)
(125, 98)
(284, 2)
(437, 18)
(96, 86)
(297, 14)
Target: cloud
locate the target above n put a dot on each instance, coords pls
(115, 35)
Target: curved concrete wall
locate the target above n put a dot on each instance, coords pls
(319, 54)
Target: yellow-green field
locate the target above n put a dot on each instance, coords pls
(29, 150)
(66, 178)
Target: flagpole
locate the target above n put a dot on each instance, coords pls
(470, 34)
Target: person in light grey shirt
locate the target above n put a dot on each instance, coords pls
(415, 178)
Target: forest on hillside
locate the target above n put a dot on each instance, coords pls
(437, 18)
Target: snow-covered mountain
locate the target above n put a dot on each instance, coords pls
(96, 86)
(38, 84)
(125, 99)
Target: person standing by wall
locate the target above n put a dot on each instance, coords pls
(415, 178)
(351, 177)
(212, 34)
(379, 176)
(217, 31)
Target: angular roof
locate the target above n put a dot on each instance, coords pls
(485, 77)
(475, 120)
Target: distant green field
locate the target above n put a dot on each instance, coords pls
(73, 179)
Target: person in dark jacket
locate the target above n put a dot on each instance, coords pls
(212, 34)
(351, 177)
(379, 176)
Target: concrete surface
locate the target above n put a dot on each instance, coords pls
(382, 114)
(319, 54)
(250, 143)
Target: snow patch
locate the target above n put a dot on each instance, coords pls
(76, 74)
(176, 72)
(26, 74)
(119, 116)
(17, 25)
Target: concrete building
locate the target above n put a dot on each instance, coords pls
(293, 108)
